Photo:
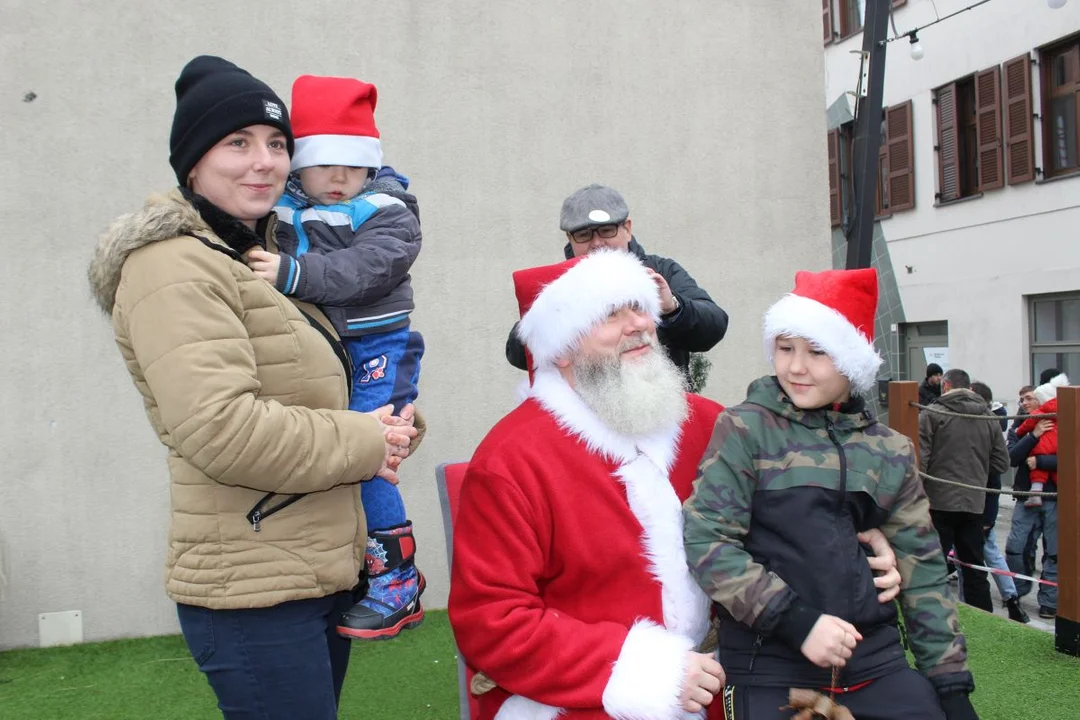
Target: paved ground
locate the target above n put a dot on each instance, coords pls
(1029, 603)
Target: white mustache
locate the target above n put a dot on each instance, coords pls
(634, 342)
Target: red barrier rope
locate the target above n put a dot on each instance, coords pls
(996, 571)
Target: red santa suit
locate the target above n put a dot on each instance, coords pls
(570, 588)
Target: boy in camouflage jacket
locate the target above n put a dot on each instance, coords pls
(790, 478)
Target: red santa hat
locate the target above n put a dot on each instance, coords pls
(333, 121)
(561, 303)
(834, 310)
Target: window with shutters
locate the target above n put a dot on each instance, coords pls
(848, 14)
(899, 191)
(851, 14)
(1019, 121)
(841, 174)
(1061, 96)
(969, 136)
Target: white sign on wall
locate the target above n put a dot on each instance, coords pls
(939, 355)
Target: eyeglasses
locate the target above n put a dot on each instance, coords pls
(585, 235)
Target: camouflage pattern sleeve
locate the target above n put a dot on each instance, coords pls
(717, 518)
(930, 618)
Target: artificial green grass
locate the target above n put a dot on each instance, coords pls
(1017, 671)
(1018, 674)
(413, 676)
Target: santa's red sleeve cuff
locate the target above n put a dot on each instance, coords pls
(648, 676)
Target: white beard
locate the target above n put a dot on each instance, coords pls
(636, 397)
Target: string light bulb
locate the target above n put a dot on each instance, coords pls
(1055, 4)
(917, 51)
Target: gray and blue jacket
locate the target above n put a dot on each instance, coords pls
(351, 259)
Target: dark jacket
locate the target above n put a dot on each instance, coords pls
(960, 449)
(770, 535)
(696, 327)
(928, 393)
(351, 259)
(1019, 450)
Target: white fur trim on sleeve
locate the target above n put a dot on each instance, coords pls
(852, 353)
(517, 707)
(648, 676)
(568, 307)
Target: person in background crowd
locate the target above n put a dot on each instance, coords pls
(930, 388)
(596, 218)
(991, 553)
(1029, 522)
(967, 452)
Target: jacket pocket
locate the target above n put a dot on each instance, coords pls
(197, 626)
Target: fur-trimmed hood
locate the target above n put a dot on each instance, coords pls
(163, 217)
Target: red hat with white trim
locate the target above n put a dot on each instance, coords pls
(333, 120)
(562, 303)
(834, 310)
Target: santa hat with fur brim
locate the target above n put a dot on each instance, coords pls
(834, 310)
(1048, 391)
(561, 303)
(334, 123)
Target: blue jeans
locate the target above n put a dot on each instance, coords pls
(993, 558)
(280, 662)
(386, 371)
(1027, 524)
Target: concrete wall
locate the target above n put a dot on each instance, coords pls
(496, 110)
(973, 263)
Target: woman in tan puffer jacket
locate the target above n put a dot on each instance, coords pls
(248, 391)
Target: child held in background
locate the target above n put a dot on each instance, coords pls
(790, 479)
(347, 235)
(1043, 458)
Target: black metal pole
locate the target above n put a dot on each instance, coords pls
(868, 134)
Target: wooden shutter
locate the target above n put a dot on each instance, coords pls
(988, 128)
(836, 210)
(900, 153)
(1019, 129)
(827, 20)
(881, 205)
(948, 145)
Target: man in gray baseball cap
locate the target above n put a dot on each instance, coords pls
(596, 217)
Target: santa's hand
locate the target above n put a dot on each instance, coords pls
(883, 561)
(704, 678)
(830, 642)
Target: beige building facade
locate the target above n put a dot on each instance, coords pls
(696, 111)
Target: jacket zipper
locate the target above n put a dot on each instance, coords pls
(841, 509)
(257, 514)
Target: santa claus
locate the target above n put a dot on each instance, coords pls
(570, 588)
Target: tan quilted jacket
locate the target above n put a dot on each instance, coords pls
(250, 399)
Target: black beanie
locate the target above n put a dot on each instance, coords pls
(933, 369)
(213, 99)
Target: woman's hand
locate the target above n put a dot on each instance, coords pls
(398, 432)
(264, 264)
(883, 563)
